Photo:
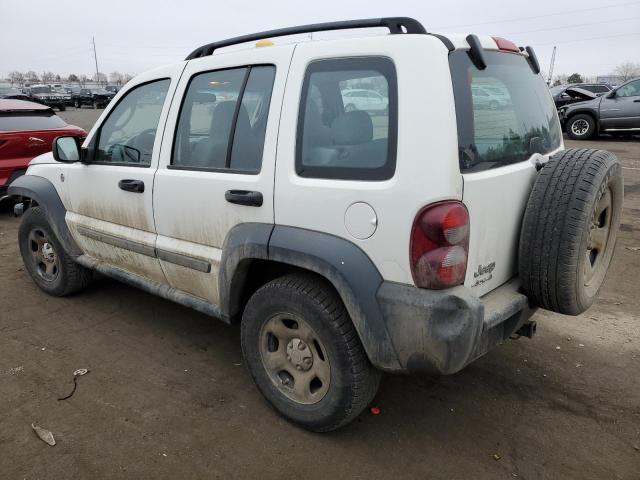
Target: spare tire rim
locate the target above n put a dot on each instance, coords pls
(43, 255)
(294, 358)
(580, 127)
(598, 241)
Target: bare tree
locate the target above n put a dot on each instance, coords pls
(116, 78)
(73, 78)
(16, 77)
(560, 79)
(83, 80)
(31, 77)
(100, 77)
(126, 77)
(47, 77)
(627, 70)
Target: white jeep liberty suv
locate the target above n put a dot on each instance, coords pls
(412, 229)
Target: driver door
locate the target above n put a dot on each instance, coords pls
(111, 214)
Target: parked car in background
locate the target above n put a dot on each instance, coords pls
(46, 95)
(12, 93)
(565, 94)
(87, 96)
(112, 88)
(617, 112)
(66, 96)
(364, 99)
(27, 129)
(103, 91)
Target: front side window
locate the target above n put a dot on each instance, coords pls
(631, 89)
(128, 134)
(223, 120)
(504, 112)
(347, 123)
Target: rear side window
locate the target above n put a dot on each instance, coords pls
(347, 123)
(505, 113)
(223, 120)
(25, 121)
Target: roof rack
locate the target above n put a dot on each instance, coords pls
(395, 25)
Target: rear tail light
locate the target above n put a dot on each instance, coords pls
(506, 45)
(439, 245)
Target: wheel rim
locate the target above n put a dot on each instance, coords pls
(43, 255)
(294, 358)
(598, 241)
(580, 126)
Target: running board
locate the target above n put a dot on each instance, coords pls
(153, 287)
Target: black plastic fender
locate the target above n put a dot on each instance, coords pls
(45, 194)
(345, 265)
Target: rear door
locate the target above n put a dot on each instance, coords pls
(217, 163)
(498, 150)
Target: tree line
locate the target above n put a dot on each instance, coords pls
(21, 78)
(624, 71)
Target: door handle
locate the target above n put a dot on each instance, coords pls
(636, 101)
(136, 186)
(244, 197)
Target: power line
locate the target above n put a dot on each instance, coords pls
(572, 26)
(555, 14)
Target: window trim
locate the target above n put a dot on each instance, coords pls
(232, 132)
(92, 148)
(386, 67)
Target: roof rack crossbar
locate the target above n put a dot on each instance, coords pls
(394, 24)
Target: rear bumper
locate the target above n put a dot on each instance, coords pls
(443, 331)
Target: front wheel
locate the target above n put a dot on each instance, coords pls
(95, 105)
(44, 258)
(581, 127)
(304, 354)
(77, 104)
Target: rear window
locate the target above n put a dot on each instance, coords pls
(25, 121)
(505, 113)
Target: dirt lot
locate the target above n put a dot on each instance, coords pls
(167, 395)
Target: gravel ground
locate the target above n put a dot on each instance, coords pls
(167, 395)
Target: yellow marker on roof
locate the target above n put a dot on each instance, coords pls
(264, 43)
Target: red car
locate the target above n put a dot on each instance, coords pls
(27, 130)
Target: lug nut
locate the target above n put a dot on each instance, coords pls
(301, 346)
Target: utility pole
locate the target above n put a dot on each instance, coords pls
(95, 57)
(553, 61)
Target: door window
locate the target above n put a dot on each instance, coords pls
(127, 135)
(347, 123)
(223, 120)
(631, 89)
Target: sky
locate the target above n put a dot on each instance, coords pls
(592, 36)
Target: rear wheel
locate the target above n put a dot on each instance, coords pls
(62, 108)
(304, 354)
(581, 127)
(350, 107)
(44, 258)
(77, 104)
(569, 229)
(95, 105)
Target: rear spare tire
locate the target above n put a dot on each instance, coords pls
(569, 229)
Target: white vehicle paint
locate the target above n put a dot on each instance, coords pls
(184, 212)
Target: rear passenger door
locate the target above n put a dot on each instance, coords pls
(217, 165)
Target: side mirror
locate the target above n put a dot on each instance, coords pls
(66, 149)
(611, 94)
